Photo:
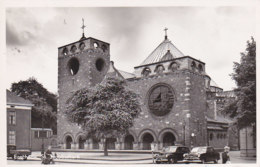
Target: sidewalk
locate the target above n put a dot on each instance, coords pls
(122, 158)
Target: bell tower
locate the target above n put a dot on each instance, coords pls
(81, 64)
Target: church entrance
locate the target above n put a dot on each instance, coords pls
(68, 142)
(129, 139)
(111, 143)
(81, 142)
(168, 139)
(147, 140)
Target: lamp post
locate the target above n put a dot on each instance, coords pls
(192, 137)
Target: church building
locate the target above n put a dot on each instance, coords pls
(179, 100)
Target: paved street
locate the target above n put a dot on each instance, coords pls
(113, 158)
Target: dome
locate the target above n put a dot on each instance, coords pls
(165, 51)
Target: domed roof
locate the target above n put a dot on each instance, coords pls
(165, 51)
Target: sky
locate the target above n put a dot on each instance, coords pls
(216, 35)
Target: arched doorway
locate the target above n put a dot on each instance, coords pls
(81, 142)
(147, 140)
(129, 139)
(111, 143)
(168, 139)
(68, 142)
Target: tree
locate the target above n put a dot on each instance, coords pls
(244, 107)
(45, 103)
(104, 111)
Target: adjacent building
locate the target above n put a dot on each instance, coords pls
(18, 121)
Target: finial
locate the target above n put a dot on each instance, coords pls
(83, 27)
(165, 32)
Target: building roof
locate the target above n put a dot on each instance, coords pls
(13, 99)
(126, 75)
(165, 51)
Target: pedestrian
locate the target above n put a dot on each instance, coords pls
(225, 155)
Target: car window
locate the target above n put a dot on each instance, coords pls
(170, 149)
(199, 150)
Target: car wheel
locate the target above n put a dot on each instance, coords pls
(24, 157)
(158, 162)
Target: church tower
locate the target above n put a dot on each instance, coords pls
(81, 64)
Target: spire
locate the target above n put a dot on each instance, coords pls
(165, 33)
(83, 27)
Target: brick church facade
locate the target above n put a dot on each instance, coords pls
(179, 100)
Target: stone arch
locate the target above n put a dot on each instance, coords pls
(81, 139)
(200, 67)
(166, 130)
(141, 134)
(146, 71)
(173, 66)
(73, 49)
(193, 65)
(159, 69)
(130, 132)
(68, 139)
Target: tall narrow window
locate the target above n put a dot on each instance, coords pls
(11, 136)
(12, 119)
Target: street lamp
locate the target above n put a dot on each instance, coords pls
(192, 137)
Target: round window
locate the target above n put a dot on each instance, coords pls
(160, 100)
(100, 64)
(73, 66)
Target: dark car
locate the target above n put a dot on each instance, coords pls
(202, 154)
(171, 154)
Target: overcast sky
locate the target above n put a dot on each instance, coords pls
(214, 35)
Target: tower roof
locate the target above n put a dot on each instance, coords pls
(165, 51)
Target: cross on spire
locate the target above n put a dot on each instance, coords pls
(83, 27)
(165, 29)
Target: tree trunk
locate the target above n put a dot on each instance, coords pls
(105, 148)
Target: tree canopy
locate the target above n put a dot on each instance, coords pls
(104, 111)
(45, 102)
(244, 107)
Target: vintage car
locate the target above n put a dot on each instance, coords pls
(202, 154)
(16, 153)
(171, 154)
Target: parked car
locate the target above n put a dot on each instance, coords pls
(16, 153)
(202, 154)
(171, 154)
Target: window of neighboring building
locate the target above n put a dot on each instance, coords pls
(11, 137)
(12, 118)
(42, 134)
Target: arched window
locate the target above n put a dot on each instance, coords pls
(104, 47)
(82, 46)
(146, 71)
(159, 69)
(65, 51)
(193, 65)
(174, 66)
(200, 68)
(73, 49)
(96, 45)
(73, 66)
